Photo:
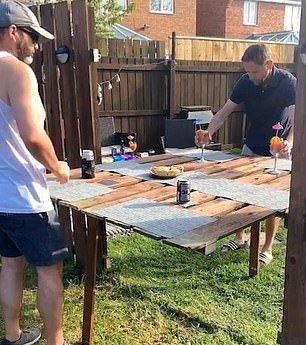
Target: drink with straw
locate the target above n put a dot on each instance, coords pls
(276, 144)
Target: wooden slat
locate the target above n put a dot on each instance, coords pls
(197, 238)
(65, 221)
(38, 60)
(90, 279)
(124, 191)
(83, 78)
(80, 238)
(67, 87)
(294, 306)
(51, 72)
(254, 250)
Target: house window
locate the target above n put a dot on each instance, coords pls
(122, 3)
(292, 18)
(162, 6)
(250, 13)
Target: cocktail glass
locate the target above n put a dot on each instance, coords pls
(274, 170)
(200, 141)
(202, 159)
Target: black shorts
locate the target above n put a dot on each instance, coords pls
(38, 237)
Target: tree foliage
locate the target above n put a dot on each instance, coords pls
(108, 12)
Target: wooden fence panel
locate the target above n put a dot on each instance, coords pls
(131, 48)
(83, 28)
(38, 60)
(221, 49)
(138, 99)
(51, 73)
(67, 86)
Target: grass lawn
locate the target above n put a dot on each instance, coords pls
(157, 294)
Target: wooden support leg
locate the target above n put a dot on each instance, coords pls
(254, 250)
(65, 221)
(93, 226)
(80, 236)
(103, 261)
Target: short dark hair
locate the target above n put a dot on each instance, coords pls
(258, 53)
(2, 32)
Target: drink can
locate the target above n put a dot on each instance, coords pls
(113, 150)
(88, 164)
(183, 191)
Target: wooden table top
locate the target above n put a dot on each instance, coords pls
(231, 215)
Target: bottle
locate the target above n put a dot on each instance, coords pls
(88, 164)
(122, 148)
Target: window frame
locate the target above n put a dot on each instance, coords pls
(246, 20)
(125, 5)
(292, 17)
(162, 11)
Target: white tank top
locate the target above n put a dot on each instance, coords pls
(23, 186)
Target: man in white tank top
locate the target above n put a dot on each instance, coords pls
(26, 229)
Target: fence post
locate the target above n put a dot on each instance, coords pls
(294, 305)
(86, 76)
(172, 63)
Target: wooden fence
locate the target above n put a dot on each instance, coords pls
(231, 50)
(138, 102)
(68, 90)
(129, 48)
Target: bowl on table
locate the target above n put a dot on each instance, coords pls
(166, 171)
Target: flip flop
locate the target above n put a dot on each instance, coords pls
(232, 245)
(265, 258)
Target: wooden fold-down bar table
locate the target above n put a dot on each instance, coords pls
(89, 240)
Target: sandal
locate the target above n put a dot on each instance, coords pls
(233, 245)
(265, 258)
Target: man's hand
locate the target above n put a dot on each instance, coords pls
(285, 150)
(63, 173)
(202, 137)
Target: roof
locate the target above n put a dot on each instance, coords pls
(123, 32)
(280, 36)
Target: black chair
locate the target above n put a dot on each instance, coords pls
(108, 135)
(179, 133)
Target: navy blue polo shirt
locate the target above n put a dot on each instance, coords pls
(264, 107)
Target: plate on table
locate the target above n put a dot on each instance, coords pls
(165, 172)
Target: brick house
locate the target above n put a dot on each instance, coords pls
(241, 18)
(157, 19)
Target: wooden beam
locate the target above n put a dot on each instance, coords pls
(294, 308)
(172, 78)
(124, 113)
(156, 66)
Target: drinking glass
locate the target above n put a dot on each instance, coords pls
(274, 170)
(202, 159)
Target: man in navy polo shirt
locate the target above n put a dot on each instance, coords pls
(268, 96)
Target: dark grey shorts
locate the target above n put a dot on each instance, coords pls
(38, 237)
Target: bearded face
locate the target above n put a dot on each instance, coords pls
(26, 46)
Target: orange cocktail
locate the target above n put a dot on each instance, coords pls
(275, 144)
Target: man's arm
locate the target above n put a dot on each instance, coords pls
(221, 116)
(288, 143)
(25, 102)
(218, 119)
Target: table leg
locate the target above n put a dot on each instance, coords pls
(103, 260)
(254, 250)
(93, 225)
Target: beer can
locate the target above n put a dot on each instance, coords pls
(183, 191)
(88, 164)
